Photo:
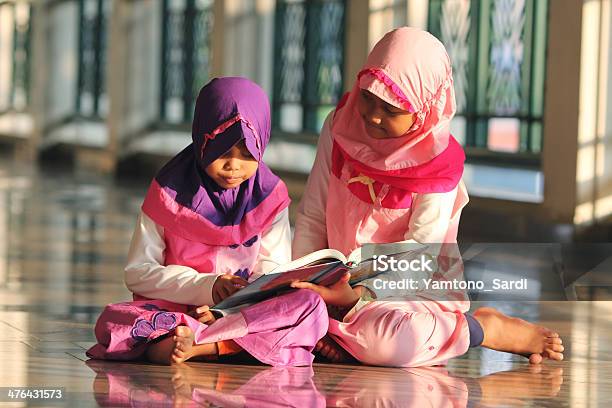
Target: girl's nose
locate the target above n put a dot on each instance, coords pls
(373, 118)
(232, 164)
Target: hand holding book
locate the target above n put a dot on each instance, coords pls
(338, 294)
(226, 285)
(324, 271)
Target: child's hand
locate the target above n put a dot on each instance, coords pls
(362, 290)
(339, 294)
(225, 285)
(203, 315)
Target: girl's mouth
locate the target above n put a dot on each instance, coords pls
(375, 131)
(370, 125)
(231, 179)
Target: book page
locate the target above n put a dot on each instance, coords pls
(314, 258)
(367, 251)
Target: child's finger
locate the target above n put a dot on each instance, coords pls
(232, 289)
(343, 279)
(227, 290)
(220, 293)
(306, 285)
(237, 280)
(206, 317)
(202, 309)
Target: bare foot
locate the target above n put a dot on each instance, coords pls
(329, 349)
(179, 348)
(513, 335)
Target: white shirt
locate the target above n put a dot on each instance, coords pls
(146, 275)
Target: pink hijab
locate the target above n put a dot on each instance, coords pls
(410, 69)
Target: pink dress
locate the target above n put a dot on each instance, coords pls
(393, 332)
(281, 331)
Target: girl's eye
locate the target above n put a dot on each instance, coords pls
(391, 111)
(245, 154)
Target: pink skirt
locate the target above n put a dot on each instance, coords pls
(280, 331)
(404, 333)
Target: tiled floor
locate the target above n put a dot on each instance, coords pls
(62, 245)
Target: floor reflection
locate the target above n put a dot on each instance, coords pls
(194, 384)
(203, 384)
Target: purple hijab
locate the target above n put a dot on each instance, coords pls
(184, 199)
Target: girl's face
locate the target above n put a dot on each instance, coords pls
(381, 119)
(233, 167)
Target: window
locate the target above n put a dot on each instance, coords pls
(308, 63)
(91, 97)
(385, 15)
(497, 48)
(185, 56)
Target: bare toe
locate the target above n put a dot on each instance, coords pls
(183, 344)
(535, 359)
(557, 347)
(183, 331)
(329, 349)
(553, 355)
(549, 333)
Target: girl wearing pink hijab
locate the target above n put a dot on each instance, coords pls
(387, 169)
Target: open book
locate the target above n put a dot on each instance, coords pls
(324, 267)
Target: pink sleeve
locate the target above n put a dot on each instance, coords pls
(310, 229)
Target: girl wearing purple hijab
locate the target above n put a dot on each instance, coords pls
(215, 218)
